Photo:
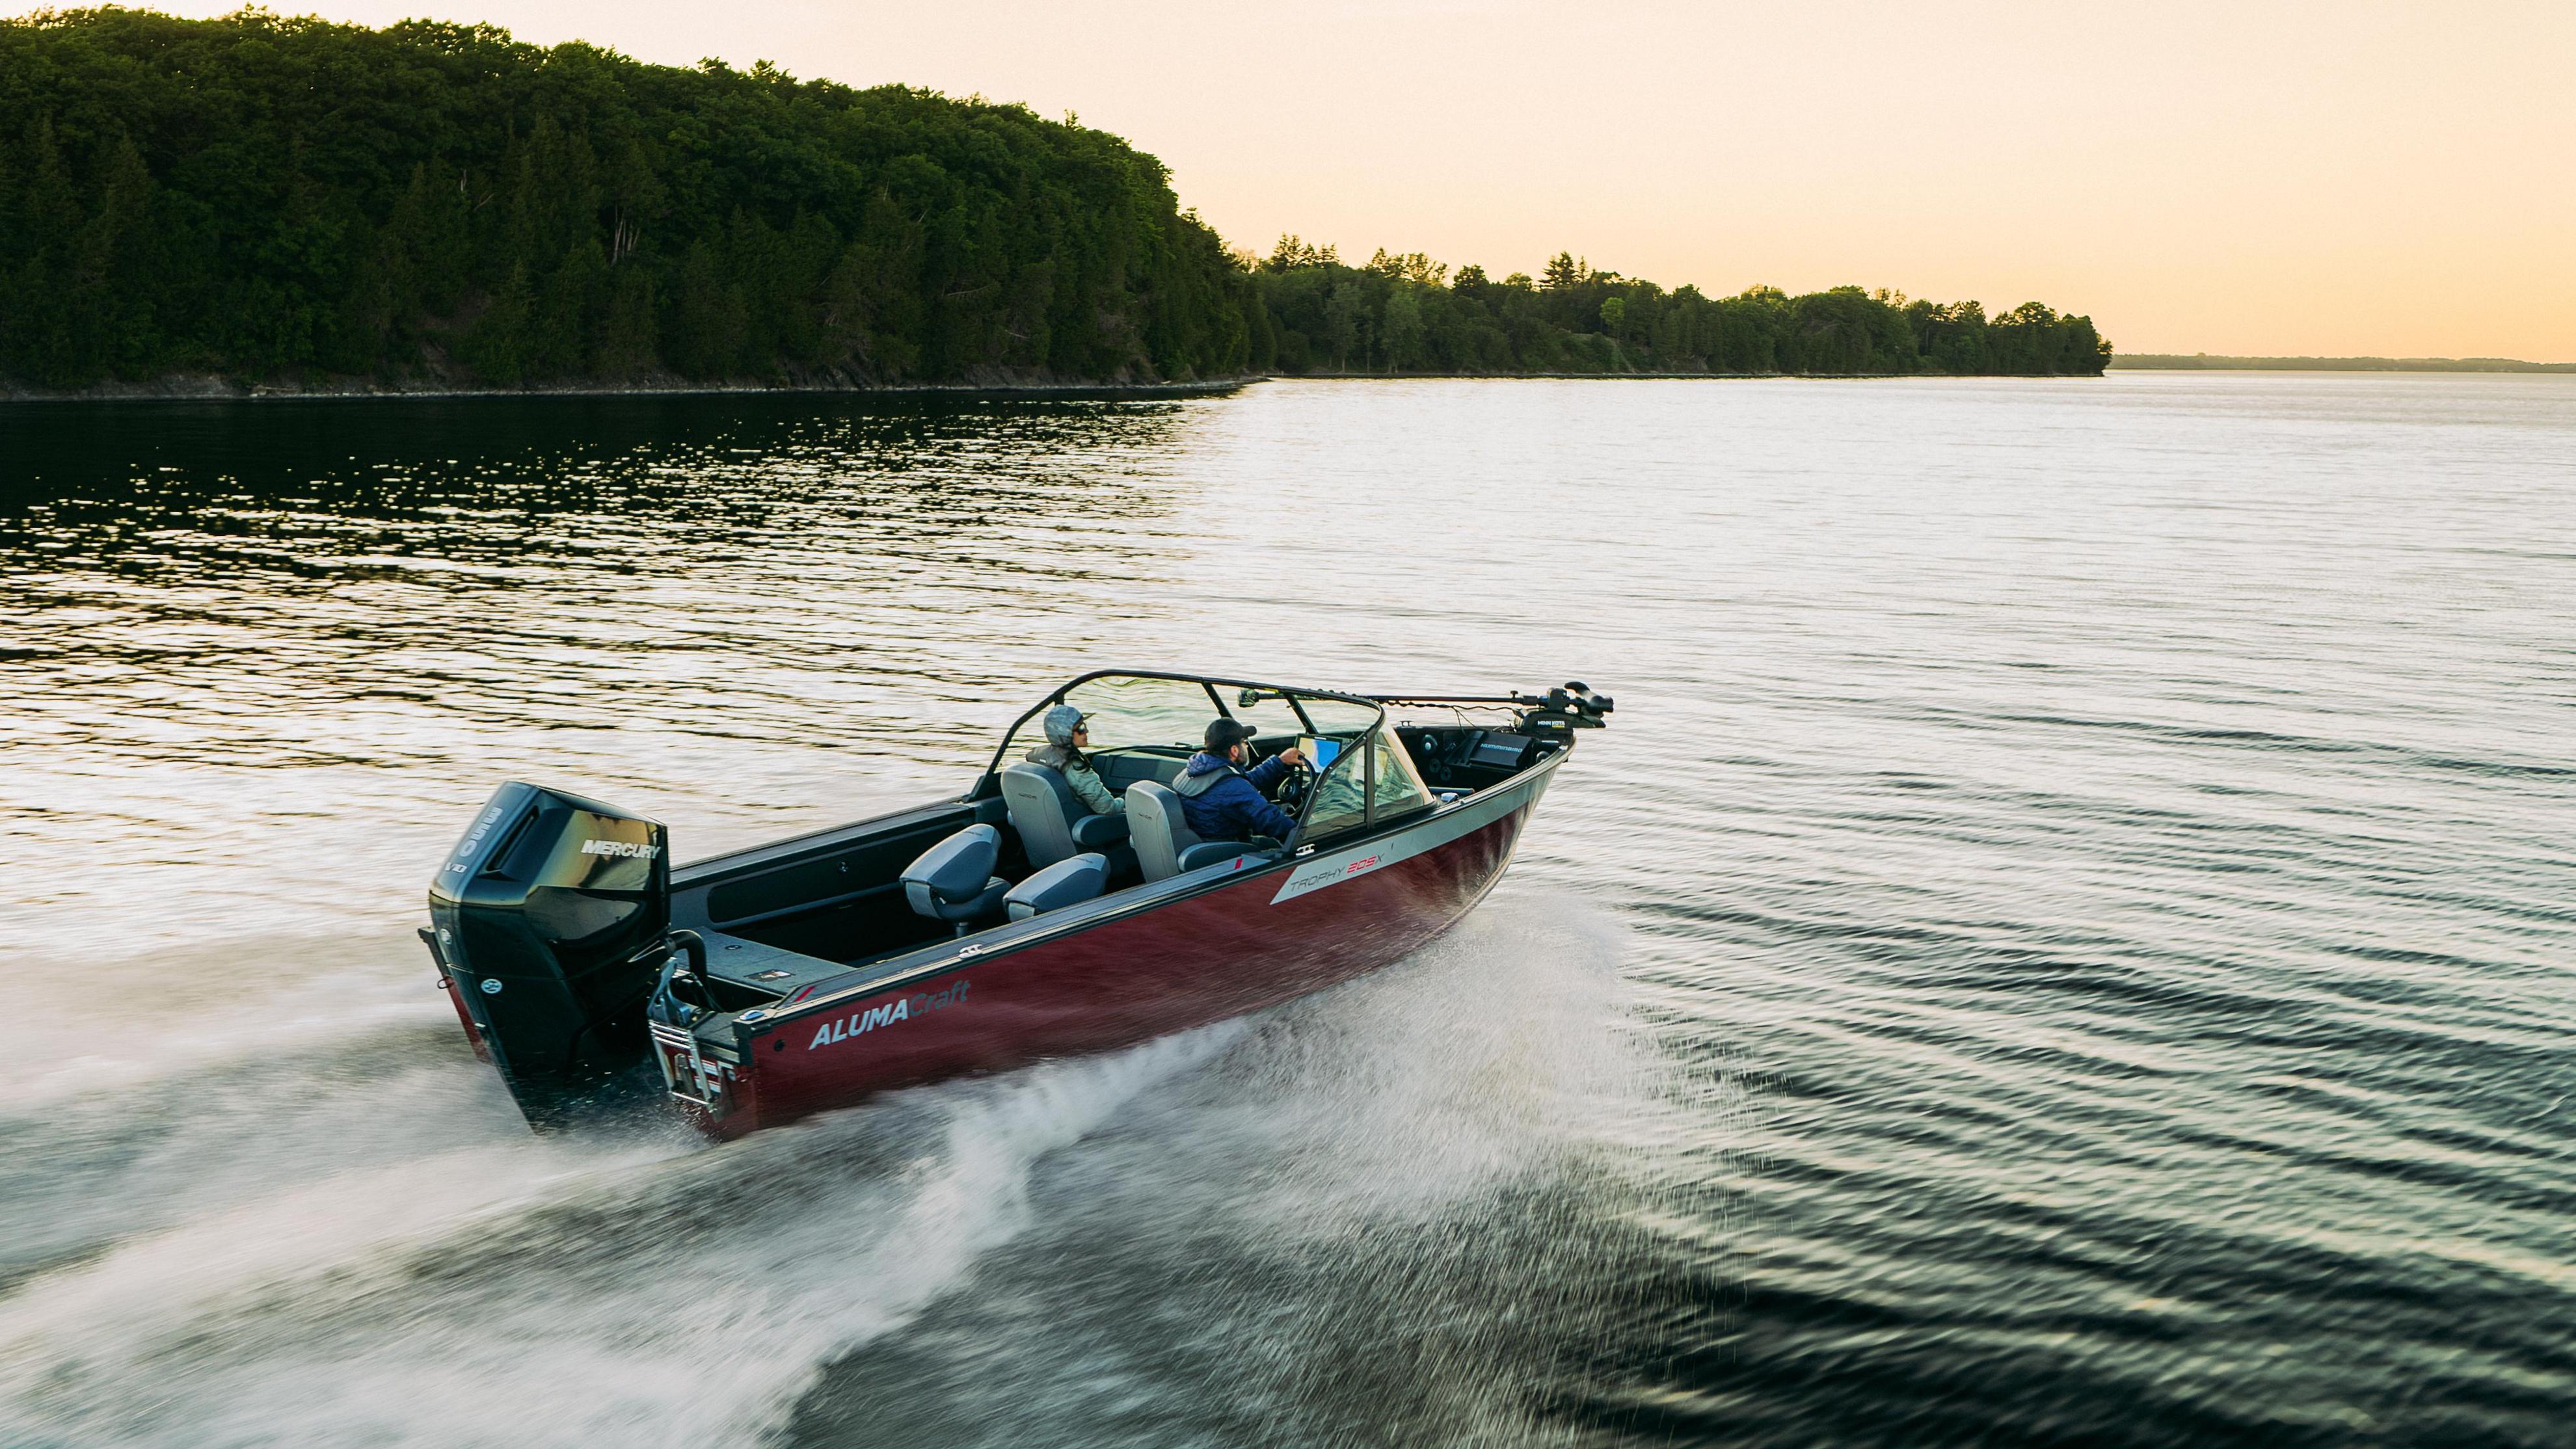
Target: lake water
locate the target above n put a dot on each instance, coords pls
(2071, 937)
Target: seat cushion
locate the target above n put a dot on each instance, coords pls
(1210, 852)
(1099, 832)
(1065, 883)
(984, 902)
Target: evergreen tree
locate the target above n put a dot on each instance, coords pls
(286, 198)
(278, 197)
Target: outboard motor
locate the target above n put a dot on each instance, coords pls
(549, 922)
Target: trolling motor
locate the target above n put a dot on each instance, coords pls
(549, 922)
(1570, 706)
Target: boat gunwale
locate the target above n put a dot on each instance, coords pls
(902, 971)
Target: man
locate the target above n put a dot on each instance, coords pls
(1068, 734)
(1221, 799)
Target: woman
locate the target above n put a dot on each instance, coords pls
(1067, 733)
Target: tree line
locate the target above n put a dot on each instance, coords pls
(1407, 314)
(289, 200)
(272, 197)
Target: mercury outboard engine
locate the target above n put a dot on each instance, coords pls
(549, 923)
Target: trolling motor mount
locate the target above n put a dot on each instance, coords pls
(1570, 706)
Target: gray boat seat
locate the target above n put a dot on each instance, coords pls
(1209, 852)
(1165, 844)
(1159, 830)
(1068, 882)
(953, 881)
(1052, 821)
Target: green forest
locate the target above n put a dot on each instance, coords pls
(296, 203)
(1407, 314)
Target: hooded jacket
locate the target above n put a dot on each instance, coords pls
(1221, 802)
(1059, 755)
(1086, 782)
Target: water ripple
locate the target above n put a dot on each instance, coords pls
(2068, 940)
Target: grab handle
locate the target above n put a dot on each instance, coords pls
(668, 1002)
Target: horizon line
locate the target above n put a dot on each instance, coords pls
(2309, 362)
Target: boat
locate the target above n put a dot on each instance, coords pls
(989, 930)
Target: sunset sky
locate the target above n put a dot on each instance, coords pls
(2243, 177)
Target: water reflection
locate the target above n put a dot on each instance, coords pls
(2090, 860)
(406, 601)
(542, 564)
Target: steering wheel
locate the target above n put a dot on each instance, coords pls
(1295, 783)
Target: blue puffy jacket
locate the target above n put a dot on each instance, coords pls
(1221, 802)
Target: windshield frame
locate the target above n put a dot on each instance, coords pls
(990, 782)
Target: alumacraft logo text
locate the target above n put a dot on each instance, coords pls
(620, 848)
(919, 1004)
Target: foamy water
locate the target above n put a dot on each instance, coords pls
(398, 1261)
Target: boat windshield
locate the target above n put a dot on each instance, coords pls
(1140, 725)
(1340, 798)
(1269, 715)
(1399, 784)
(1124, 712)
(1364, 785)
(1338, 803)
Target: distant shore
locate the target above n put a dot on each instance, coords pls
(206, 388)
(218, 389)
(2214, 362)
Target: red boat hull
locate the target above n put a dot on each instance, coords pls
(1280, 932)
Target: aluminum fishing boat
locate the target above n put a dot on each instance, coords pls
(989, 930)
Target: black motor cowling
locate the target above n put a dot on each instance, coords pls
(549, 920)
(1570, 706)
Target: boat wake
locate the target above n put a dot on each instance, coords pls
(637, 1290)
(362, 1245)
(1375, 1219)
